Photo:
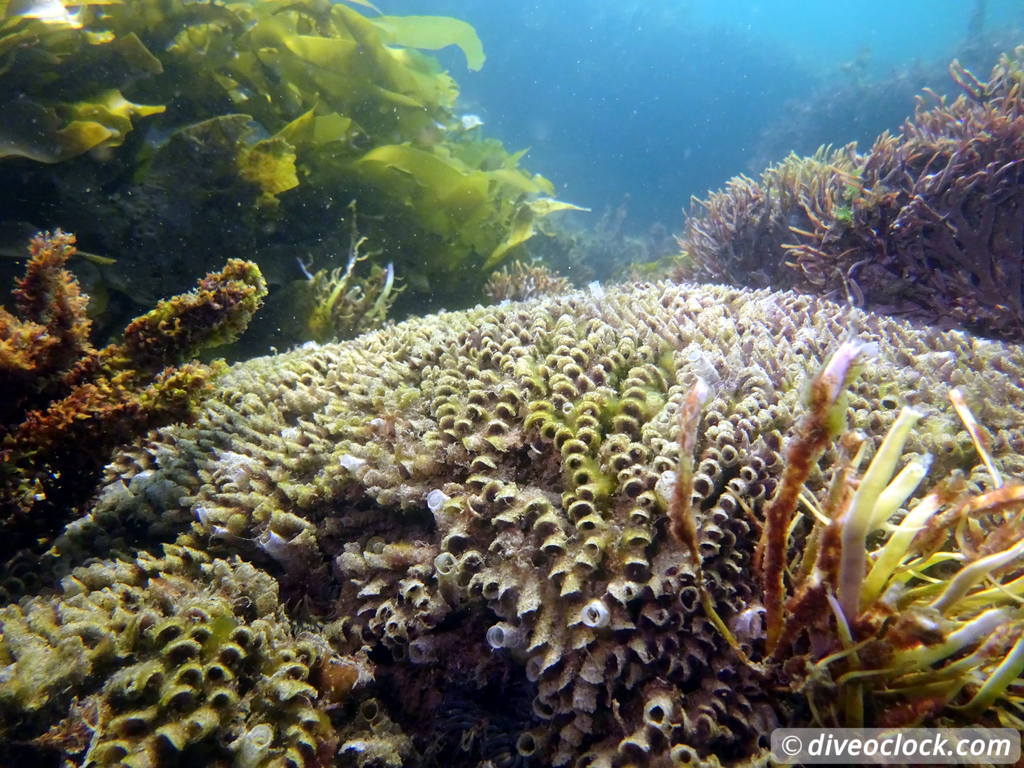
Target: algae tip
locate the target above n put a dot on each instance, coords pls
(380, 306)
(53, 11)
(95, 258)
(49, 11)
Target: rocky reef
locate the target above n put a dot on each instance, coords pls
(541, 534)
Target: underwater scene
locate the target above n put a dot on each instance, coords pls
(506, 385)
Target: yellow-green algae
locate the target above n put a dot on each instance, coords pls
(292, 109)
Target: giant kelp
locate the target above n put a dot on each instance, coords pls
(474, 508)
(243, 128)
(927, 223)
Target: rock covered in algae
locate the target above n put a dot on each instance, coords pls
(475, 503)
(146, 660)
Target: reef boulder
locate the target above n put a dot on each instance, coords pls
(475, 504)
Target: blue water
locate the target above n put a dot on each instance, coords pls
(659, 100)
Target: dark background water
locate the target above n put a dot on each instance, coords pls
(656, 101)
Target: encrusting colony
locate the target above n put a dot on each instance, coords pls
(465, 516)
(203, 648)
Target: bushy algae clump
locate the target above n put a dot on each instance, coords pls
(925, 224)
(67, 405)
(897, 629)
(548, 533)
(343, 305)
(525, 280)
(331, 303)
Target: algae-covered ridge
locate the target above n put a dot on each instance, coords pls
(447, 542)
(290, 106)
(67, 404)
